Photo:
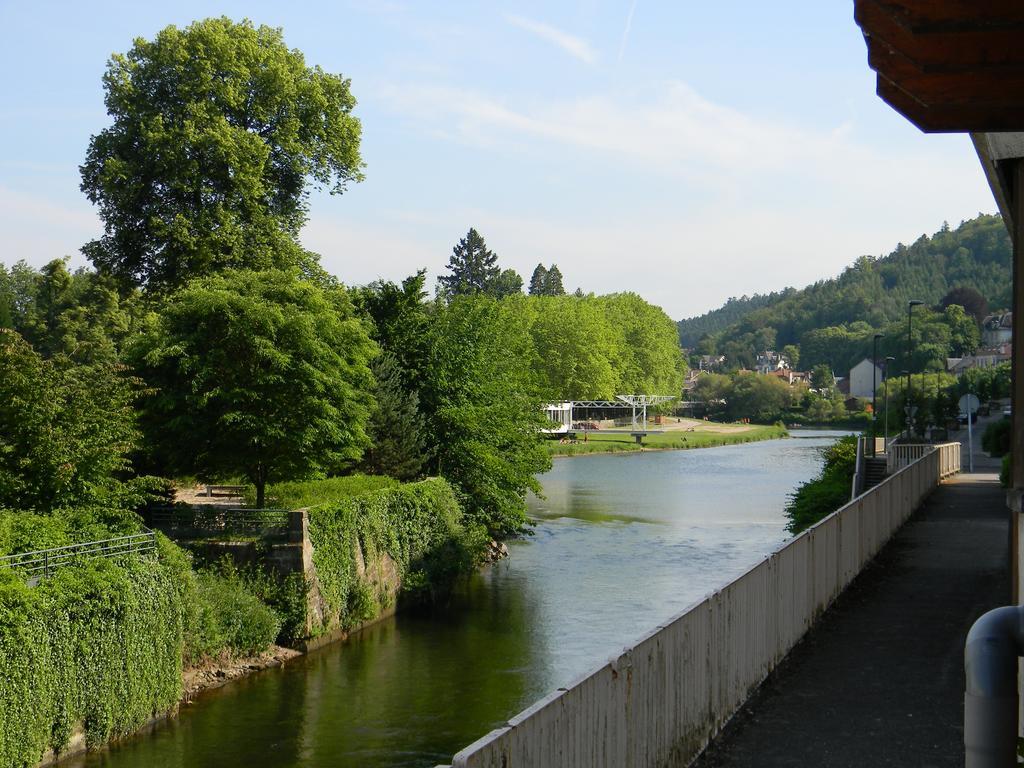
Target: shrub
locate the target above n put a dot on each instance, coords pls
(1004, 472)
(996, 438)
(231, 619)
(827, 492)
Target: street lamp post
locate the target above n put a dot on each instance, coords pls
(910, 342)
(874, 393)
(885, 387)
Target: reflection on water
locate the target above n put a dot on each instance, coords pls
(621, 543)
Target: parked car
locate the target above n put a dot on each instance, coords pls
(1006, 411)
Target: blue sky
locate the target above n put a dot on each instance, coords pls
(686, 151)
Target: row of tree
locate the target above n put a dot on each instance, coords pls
(473, 269)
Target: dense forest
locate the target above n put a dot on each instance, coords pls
(693, 329)
(833, 321)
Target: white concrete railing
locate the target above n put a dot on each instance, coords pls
(879, 445)
(900, 455)
(660, 701)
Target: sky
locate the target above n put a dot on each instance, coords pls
(686, 151)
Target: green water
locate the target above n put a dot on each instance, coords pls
(621, 543)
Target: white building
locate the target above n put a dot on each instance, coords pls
(861, 378)
(997, 329)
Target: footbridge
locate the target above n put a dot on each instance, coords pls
(660, 701)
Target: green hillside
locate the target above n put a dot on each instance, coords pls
(733, 311)
(833, 321)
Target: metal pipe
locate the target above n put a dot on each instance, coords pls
(993, 646)
(910, 348)
(874, 393)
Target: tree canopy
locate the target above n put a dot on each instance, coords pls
(483, 412)
(66, 428)
(217, 131)
(256, 373)
(834, 320)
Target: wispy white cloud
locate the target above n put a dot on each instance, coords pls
(575, 46)
(675, 129)
(779, 201)
(39, 230)
(625, 32)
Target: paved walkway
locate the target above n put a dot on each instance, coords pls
(879, 681)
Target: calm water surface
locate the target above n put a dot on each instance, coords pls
(622, 542)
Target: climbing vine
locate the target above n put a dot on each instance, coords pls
(418, 525)
(99, 644)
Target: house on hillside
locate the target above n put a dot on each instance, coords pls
(710, 362)
(769, 360)
(864, 377)
(983, 358)
(997, 329)
(790, 376)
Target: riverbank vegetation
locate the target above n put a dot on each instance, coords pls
(373, 549)
(704, 435)
(830, 490)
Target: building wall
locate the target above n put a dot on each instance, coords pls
(860, 379)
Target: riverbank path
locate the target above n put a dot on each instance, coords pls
(879, 680)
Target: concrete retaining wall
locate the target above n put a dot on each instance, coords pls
(661, 700)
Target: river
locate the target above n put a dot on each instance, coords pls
(621, 542)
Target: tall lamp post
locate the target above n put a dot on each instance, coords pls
(874, 393)
(910, 343)
(885, 387)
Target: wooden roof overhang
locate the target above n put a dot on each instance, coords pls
(954, 66)
(948, 65)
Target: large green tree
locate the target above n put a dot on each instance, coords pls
(398, 446)
(256, 373)
(473, 268)
(217, 131)
(483, 415)
(65, 429)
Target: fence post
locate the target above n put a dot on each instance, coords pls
(298, 525)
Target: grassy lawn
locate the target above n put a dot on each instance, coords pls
(310, 493)
(703, 436)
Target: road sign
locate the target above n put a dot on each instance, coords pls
(969, 404)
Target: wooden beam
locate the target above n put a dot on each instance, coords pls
(951, 119)
(923, 16)
(947, 50)
(1016, 175)
(948, 89)
(1017, 305)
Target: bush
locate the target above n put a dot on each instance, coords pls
(231, 619)
(996, 439)
(827, 492)
(311, 493)
(1004, 472)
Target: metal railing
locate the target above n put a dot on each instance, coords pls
(209, 522)
(41, 563)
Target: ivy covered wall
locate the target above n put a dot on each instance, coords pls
(373, 549)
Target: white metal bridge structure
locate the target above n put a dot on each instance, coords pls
(561, 414)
